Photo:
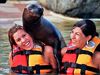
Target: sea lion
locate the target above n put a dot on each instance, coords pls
(42, 29)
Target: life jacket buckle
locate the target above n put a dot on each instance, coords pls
(26, 52)
(20, 68)
(30, 70)
(83, 67)
(77, 51)
(73, 65)
(37, 67)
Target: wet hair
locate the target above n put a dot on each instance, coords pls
(11, 32)
(88, 27)
(14, 29)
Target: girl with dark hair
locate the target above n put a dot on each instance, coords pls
(79, 56)
(29, 57)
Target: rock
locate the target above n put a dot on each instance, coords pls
(74, 8)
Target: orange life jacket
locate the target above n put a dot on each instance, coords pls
(79, 61)
(29, 62)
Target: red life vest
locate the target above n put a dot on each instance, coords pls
(79, 61)
(29, 62)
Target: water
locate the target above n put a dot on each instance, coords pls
(4, 51)
(64, 27)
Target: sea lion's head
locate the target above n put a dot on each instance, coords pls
(32, 13)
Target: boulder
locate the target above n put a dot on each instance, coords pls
(74, 8)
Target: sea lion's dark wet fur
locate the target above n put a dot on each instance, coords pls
(42, 29)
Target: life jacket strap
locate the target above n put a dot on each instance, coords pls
(27, 52)
(83, 67)
(30, 69)
(79, 51)
(20, 68)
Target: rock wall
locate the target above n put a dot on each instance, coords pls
(74, 8)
